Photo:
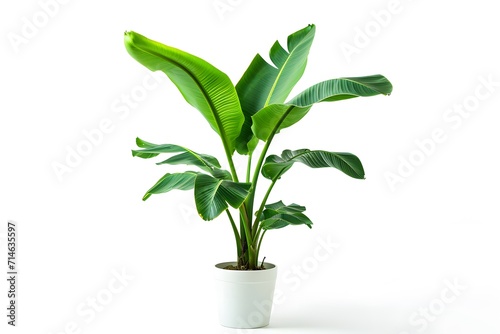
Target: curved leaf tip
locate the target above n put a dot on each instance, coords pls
(128, 36)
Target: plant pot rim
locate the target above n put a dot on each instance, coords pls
(245, 276)
(267, 266)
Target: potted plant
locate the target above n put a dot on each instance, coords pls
(243, 115)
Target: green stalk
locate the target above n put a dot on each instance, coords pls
(236, 234)
(243, 242)
(246, 225)
(251, 196)
(252, 259)
(231, 164)
(260, 242)
(253, 255)
(247, 236)
(256, 173)
(257, 235)
(249, 167)
(245, 215)
(261, 208)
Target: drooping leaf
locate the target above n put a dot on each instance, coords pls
(275, 117)
(280, 207)
(275, 166)
(144, 144)
(264, 84)
(205, 162)
(281, 220)
(212, 195)
(279, 215)
(342, 89)
(180, 181)
(202, 85)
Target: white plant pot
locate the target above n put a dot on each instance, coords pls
(245, 297)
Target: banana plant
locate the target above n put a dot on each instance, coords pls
(254, 110)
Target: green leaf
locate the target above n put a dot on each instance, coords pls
(342, 89)
(180, 181)
(282, 220)
(275, 117)
(205, 162)
(279, 215)
(144, 144)
(212, 195)
(264, 84)
(202, 85)
(280, 207)
(275, 166)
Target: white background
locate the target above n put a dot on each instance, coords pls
(397, 245)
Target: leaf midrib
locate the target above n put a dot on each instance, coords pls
(273, 88)
(375, 90)
(205, 95)
(216, 188)
(199, 158)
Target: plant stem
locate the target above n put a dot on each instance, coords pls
(261, 208)
(249, 167)
(249, 250)
(246, 225)
(260, 242)
(243, 241)
(257, 236)
(251, 196)
(255, 178)
(236, 234)
(231, 166)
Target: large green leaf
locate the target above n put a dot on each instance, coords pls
(279, 215)
(203, 86)
(144, 144)
(342, 89)
(264, 84)
(206, 162)
(180, 181)
(281, 220)
(275, 117)
(275, 166)
(212, 195)
(280, 207)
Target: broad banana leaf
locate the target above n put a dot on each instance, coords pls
(212, 195)
(275, 166)
(273, 118)
(279, 215)
(203, 86)
(205, 162)
(180, 181)
(263, 84)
